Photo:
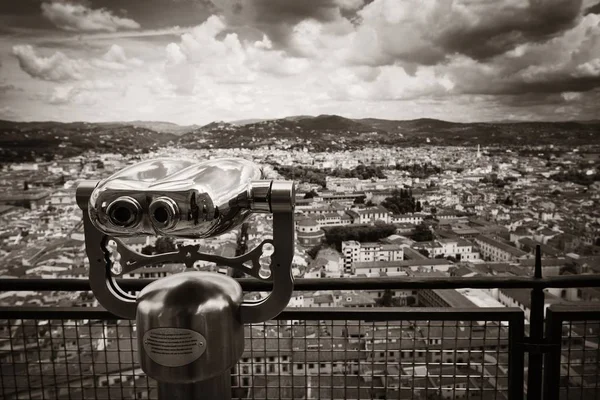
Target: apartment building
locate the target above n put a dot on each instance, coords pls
(354, 251)
(461, 249)
(495, 250)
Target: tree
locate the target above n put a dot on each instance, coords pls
(422, 234)
(387, 299)
(165, 245)
(424, 252)
(311, 194)
(148, 250)
(418, 207)
(400, 202)
(359, 200)
(334, 236)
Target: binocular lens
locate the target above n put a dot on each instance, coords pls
(161, 215)
(164, 213)
(124, 212)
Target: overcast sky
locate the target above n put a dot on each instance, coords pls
(196, 61)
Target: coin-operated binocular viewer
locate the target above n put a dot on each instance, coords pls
(190, 326)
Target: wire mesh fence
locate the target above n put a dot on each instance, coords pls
(580, 360)
(380, 360)
(310, 355)
(71, 359)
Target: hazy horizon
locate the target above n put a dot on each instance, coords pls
(244, 120)
(195, 62)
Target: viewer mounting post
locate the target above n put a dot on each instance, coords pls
(190, 325)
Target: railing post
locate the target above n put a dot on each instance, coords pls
(552, 359)
(536, 329)
(516, 358)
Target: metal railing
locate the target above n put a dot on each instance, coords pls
(305, 353)
(572, 366)
(391, 353)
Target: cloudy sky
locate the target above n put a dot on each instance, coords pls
(196, 61)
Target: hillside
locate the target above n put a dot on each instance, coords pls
(31, 140)
(332, 132)
(160, 127)
(25, 141)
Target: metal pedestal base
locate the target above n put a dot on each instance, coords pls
(218, 388)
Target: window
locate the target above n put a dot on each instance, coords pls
(311, 366)
(322, 365)
(271, 368)
(259, 369)
(299, 366)
(271, 359)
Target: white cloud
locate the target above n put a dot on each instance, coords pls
(387, 83)
(566, 63)
(57, 67)
(116, 59)
(570, 96)
(78, 18)
(82, 93)
(391, 61)
(8, 112)
(350, 4)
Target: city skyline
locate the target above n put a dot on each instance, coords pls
(193, 62)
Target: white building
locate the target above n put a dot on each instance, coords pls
(371, 215)
(495, 250)
(413, 218)
(354, 251)
(461, 249)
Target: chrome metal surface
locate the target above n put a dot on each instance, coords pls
(283, 195)
(281, 273)
(203, 302)
(260, 195)
(222, 193)
(199, 199)
(103, 281)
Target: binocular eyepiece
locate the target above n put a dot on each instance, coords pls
(164, 212)
(175, 198)
(124, 212)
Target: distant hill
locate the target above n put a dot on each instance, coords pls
(27, 141)
(246, 121)
(333, 132)
(160, 127)
(30, 140)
